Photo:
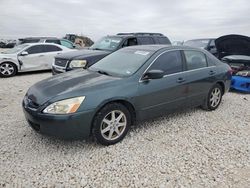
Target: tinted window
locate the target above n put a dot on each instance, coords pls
(130, 42)
(169, 62)
(35, 49)
(29, 41)
(162, 40)
(145, 40)
(195, 59)
(51, 48)
(66, 44)
(53, 41)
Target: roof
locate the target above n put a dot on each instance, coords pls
(157, 47)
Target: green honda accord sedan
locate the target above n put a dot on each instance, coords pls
(129, 85)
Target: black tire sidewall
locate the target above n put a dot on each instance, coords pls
(209, 107)
(98, 120)
(14, 72)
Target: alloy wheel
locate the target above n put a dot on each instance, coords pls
(113, 125)
(7, 69)
(215, 97)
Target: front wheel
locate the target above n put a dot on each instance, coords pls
(7, 69)
(213, 99)
(111, 124)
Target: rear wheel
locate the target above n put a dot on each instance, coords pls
(8, 69)
(111, 124)
(213, 99)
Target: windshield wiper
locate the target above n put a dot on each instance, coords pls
(103, 72)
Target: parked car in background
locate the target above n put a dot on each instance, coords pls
(206, 44)
(29, 57)
(177, 43)
(63, 42)
(103, 47)
(129, 85)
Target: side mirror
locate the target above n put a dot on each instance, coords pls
(153, 74)
(24, 53)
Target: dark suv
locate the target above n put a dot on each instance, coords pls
(103, 47)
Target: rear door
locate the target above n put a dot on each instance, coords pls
(200, 76)
(161, 95)
(49, 53)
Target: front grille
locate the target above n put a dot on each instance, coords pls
(61, 62)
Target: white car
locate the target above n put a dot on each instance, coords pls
(29, 57)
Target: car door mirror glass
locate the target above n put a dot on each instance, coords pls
(153, 74)
(24, 53)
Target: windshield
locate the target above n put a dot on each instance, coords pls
(107, 43)
(16, 49)
(197, 43)
(122, 63)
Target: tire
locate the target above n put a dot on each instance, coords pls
(8, 69)
(213, 99)
(111, 124)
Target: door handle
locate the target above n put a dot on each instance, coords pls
(211, 72)
(180, 80)
(40, 55)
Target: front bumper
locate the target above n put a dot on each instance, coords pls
(73, 126)
(57, 70)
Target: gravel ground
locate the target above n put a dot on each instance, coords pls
(193, 148)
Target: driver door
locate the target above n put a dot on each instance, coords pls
(158, 96)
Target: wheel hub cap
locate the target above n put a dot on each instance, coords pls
(113, 125)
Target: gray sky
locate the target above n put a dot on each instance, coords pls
(179, 19)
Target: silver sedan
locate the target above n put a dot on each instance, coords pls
(29, 57)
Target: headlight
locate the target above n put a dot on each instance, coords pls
(78, 63)
(67, 106)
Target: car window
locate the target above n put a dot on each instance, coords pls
(52, 41)
(212, 43)
(195, 59)
(66, 44)
(23, 41)
(107, 43)
(162, 40)
(50, 48)
(122, 63)
(145, 40)
(198, 43)
(130, 42)
(35, 49)
(169, 62)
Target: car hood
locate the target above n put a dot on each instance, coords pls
(66, 85)
(7, 56)
(81, 54)
(233, 45)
